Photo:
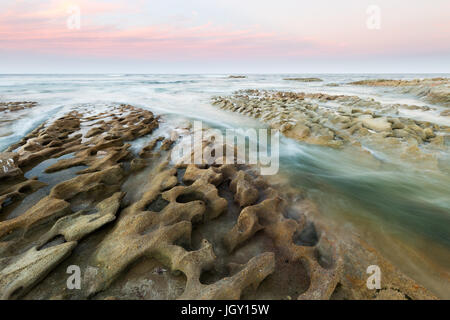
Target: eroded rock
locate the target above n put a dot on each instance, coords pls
(206, 231)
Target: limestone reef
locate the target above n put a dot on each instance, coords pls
(339, 121)
(16, 105)
(236, 77)
(304, 79)
(11, 111)
(435, 90)
(96, 189)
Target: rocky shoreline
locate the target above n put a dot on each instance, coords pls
(339, 121)
(435, 90)
(16, 105)
(141, 227)
(10, 112)
(304, 79)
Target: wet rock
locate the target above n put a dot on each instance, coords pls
(47, 209)
(193, 173)
(245, 193)
(16, 105)
(304, 79)
(74, 227)
(350, 121)
(429, 133)
(19, 273)
(445, 113)
(379, 124)
(396, 124)
(435, 90)
(218, 231)
(14, 191)
(400, 133)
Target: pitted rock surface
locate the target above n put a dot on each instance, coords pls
(141, 227)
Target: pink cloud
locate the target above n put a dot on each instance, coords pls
(40, 27)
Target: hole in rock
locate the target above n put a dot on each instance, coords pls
(25, 189)
(307, 237)
(16, 293)
(146, 278)
(263, 221)
(8, 201)
(189, 197)
(290, 280)
(185, 244)
(180, 175)
(53, 242)
(338, 293)
(187, 183)
(157, 205)
(212, 276)
(89, 211)
(324, 257)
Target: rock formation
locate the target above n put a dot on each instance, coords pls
(338, 121)
(141, 227)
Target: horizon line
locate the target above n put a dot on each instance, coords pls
(216, 73)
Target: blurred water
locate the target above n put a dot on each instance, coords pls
(185, 94)
(403, 211)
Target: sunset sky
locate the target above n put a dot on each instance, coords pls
(223, 36)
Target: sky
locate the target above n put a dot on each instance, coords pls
(224, 36)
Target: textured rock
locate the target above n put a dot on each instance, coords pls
(304, 79)
(140, 227)
(341, 121)
(15, 190)
(16, 105)
(236, 77)
(74, 227)
(19, 273)
(436, 90)
(245, 193)
(378, 124)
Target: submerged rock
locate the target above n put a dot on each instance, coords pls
(341, 121)
(435, 90)
(378, 124)
(304, 79)
(16, 105)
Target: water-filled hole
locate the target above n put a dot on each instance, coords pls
(25, 189)
(190, 196)
(307, 237)
(157, 205)
(324, 257)
(212, 276)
